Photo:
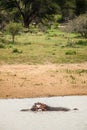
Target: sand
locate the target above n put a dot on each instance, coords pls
(25, 81)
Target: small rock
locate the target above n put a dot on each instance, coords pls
(75, 109)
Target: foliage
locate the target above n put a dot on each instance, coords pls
(38, 49)
(70, 43)
(15, 50)
(70, 52)
(82, 43)
(78, 25)
(40, 11)
(68, 9)
(72, 8)
(81, 6)
(13, 29)
(31, 11)
(4, 18)
(2, 45)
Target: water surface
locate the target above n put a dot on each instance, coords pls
(11, 118)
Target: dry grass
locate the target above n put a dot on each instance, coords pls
(20, 81)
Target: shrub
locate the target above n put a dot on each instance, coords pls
(70, 52)
(78, 25)
(28, 43)
(13, 29)
(70, 43)
(2, 45)
(15, 50)
(9, 45)
(84, 43)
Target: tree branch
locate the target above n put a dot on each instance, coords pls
(19, 8)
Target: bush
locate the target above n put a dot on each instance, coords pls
(10, 45)
(70, 43)
(70, 52)
(28, 43)
(78, 25)
(13, 29)
(84, 43)
(15, 50)
(2, 45)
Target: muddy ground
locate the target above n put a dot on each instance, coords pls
(22, 81)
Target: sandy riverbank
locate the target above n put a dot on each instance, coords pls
(20, 81)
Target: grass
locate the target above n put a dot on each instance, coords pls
(77, 71)
(15, 50)
(70, 52)
(50, 47)
(2, 45)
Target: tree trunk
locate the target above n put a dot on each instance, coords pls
(26, 24)
(13, 38)
(26, 21)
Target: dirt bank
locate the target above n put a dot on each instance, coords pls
(20, 81)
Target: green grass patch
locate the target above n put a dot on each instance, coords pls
(82, 43)
(70, 52)
(15, 50)
(40, 49)
(2, 45)
(78, 71)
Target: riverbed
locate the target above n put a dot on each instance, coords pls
(12, 118)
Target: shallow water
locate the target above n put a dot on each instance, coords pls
(11, 118)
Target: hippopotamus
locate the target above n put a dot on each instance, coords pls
(43, 107)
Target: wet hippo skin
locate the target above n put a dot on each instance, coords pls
(43, 107)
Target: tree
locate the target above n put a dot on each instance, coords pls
(31, 10)
(13, 29)
(4, 18)
(81, 6)
(68, 9)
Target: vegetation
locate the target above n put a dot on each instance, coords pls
(2, 45)
(30, 11)
(39, 22)
(78, 25)
(15, 50)
(40, 11)
(70, 52)
(13, 29)
(41, 48)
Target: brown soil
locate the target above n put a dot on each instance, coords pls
(21, 81)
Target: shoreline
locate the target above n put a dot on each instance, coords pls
(72, 95)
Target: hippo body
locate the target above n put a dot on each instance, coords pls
(43, 107)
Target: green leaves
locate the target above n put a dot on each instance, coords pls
(31, 10)
(13, 29)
